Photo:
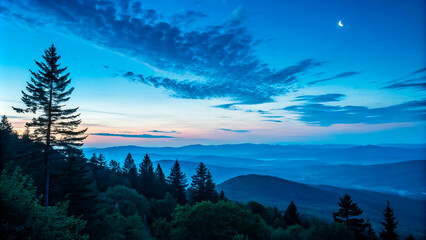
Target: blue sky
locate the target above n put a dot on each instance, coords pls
(170, 73)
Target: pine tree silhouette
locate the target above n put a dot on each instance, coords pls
(129, 166)
(55, 126)
(347, 214)
(291, 216)
(177, 183)
(390, 225)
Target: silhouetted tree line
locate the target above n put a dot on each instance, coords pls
(49, 190)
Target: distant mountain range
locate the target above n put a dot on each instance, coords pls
(321, 201)
(334, 154)
(386, 169)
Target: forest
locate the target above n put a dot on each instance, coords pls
(50, 190)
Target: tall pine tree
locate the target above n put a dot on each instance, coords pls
(390, 225)
(129, 166)
(177, 183)
(211, 193)
(198, 184)
(5, 125)
(348, 213)
(147, 177)
(291, 216)
(47, 93)
(160, 183)
(202, 185)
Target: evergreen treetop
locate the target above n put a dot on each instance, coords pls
(47, 92)
(159, 173)
(146, 168)
(389, 224)
(5, 125)
(291, 216)
(348, 213)
(177, 183)
(129, 165)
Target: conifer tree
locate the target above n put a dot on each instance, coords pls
(202, 185)
(410, 237)
(159, 173)
(101, 160)
(6, 142)
(94, 160)
(129, 166)
(47, 92)
(370, 234)
(5, 125)
(160, 183)
(114, 166)
(291, 216)
(390, 225)
(347, 214)
(177, 183)
(222, 196)
(198, 184)
(211, 193)
(146, 168)
(147, 177)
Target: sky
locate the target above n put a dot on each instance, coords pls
(174, 73)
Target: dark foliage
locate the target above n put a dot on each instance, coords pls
(177, 183)
(348, 213)
(389, 224)
(291, 216)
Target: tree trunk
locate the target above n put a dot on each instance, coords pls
(46, 154)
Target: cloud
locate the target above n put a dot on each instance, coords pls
(159, 131)
(130, 135)
(273, 116)
(235, 131)
(415, 80)
(338, 76)
(272, 120)
(186, 17)
(111, 113)
(330, 97)
(325, 115)
(263, 112)
(261, 89)
(229, 106)
(216, 61)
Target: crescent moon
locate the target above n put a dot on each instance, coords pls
(340, 23)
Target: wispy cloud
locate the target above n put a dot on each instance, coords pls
(331, 97)
(160, 131)
(130, 135)
(325, 115)
(338, 76)
(272, 120)
(415, 80)
(107, 112)
(216, 61)
(232, 130)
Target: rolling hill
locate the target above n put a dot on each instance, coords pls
(321, 201)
